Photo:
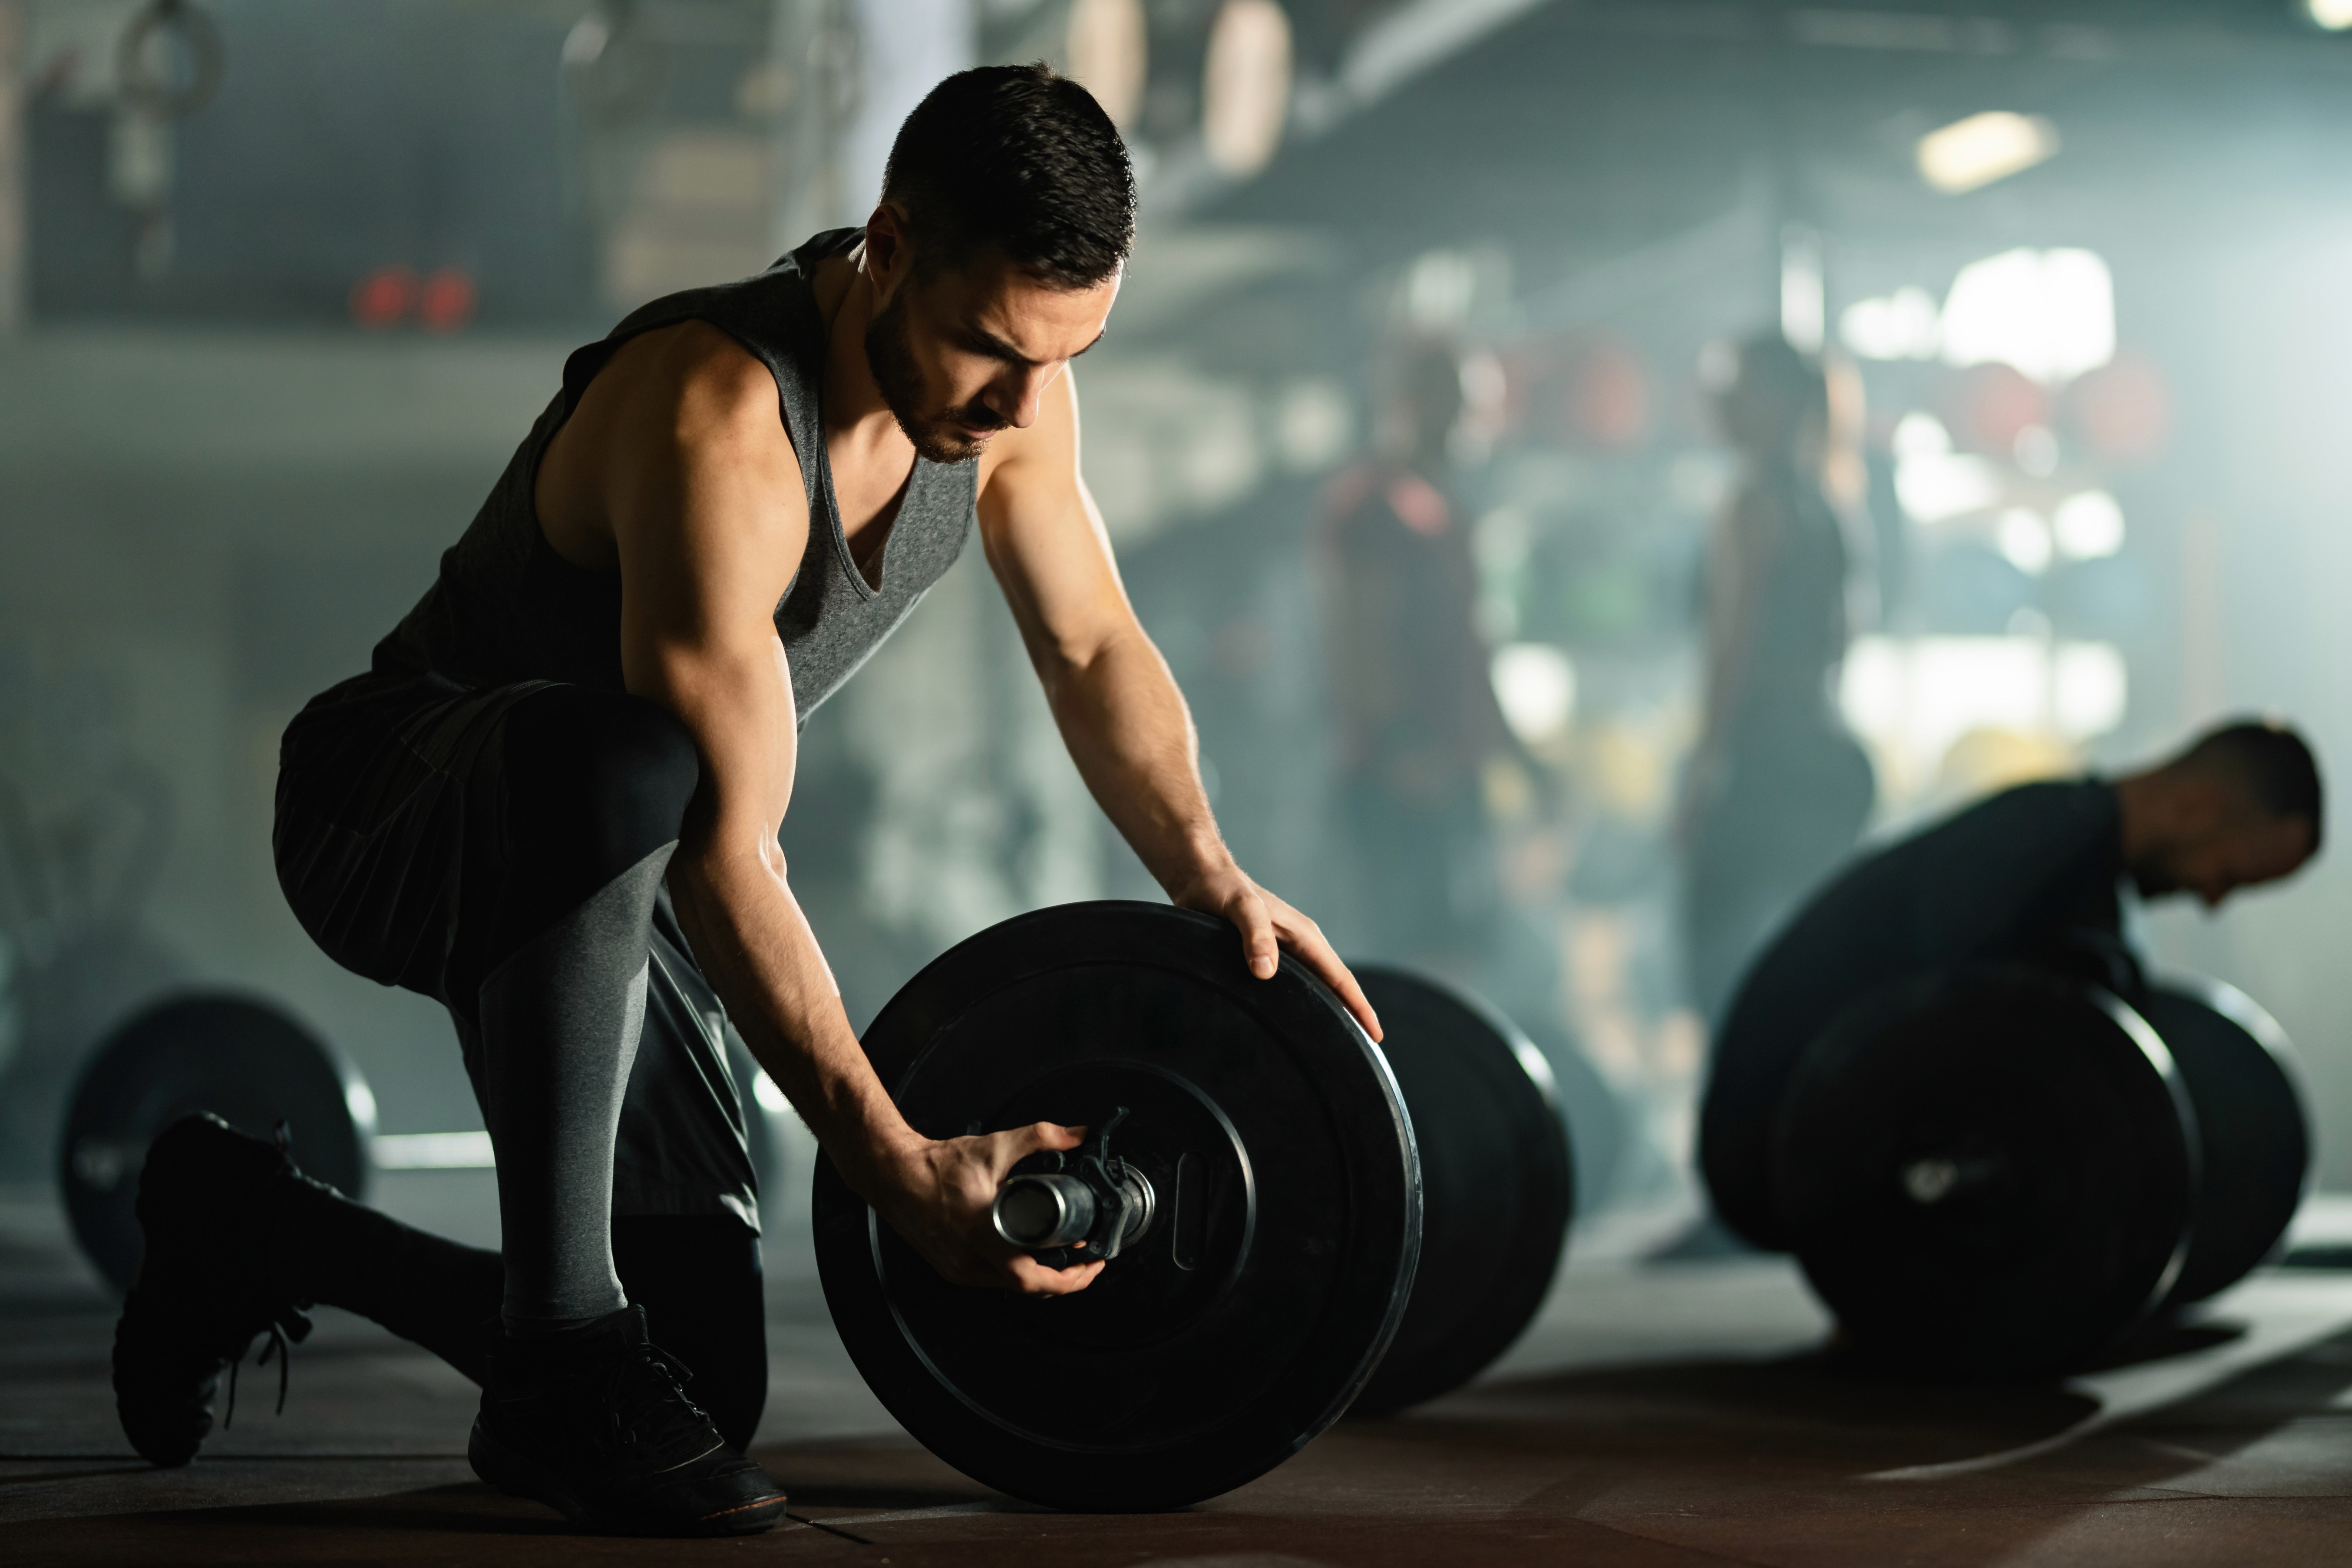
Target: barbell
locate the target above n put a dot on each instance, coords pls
(2002, 1171)
(237, 1056)
(1293, 1221)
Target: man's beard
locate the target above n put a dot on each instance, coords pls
(936, 436)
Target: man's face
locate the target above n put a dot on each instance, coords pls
(2238, 850)
(966, 353)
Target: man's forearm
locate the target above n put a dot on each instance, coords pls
(752, 938)
(1131, 736)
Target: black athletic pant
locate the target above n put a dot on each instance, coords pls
(501, 851)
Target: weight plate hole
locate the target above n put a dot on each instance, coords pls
(1190, 1224)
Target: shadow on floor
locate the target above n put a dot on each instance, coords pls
(1658, 1465)
(870, 1478)
(2162, 1338)
(1838, 1415)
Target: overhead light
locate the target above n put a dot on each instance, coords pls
(1246, 86)
(1110, 51)
(1973, 153)
(2333, 14)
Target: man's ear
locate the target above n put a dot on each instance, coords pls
(890, 254)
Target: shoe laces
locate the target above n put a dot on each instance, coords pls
(289, 1320)
(648, 1402)
(278, 1346)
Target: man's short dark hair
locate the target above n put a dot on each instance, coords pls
(1020, 160)
(2273, 762)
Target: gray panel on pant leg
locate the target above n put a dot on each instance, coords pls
(683, 1148)
(558, 1026)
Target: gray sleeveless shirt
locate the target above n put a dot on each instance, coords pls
(507, 608)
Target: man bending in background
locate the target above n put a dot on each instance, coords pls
(2032, 875)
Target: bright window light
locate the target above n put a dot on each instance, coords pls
(1973, 153)
(2088, 689)
(1901, 325)
(2050, 313)
(2333, 14)
(1534, 685)
(1915, 698)
(1931, 480)
(1919, 695)
(1919, 435)
(2088, 525)
(2024, 541)
(1934, 486)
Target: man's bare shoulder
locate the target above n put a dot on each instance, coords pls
(697, 380)
(676, 400)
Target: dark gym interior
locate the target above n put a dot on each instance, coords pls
(1719, 548)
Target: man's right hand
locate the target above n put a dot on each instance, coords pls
(938, 1196)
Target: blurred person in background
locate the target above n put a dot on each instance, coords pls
(1414, 714)
(1777, 790)
(2034, 876)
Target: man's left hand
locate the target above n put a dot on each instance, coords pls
(1270, 928)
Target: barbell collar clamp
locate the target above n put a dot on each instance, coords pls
(1083, 1209)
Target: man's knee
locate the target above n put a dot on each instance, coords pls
(638, 776)
(601, 778)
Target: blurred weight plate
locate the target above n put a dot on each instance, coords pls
(2254, 1140)
(243, 1060)
(1497, 1186)
(1276, 1270)
(1991, 1172)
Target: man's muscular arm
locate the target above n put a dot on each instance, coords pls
(701, 491)
(1111, 693)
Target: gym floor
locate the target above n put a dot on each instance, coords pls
(1675, 1414)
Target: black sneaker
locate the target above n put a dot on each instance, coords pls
(596, 1425)
(206, 1200)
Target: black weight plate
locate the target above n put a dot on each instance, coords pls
(243, 1061)
(1497, 1185)
(1988, 1172)
(1276, 1268)
(2255, 1143)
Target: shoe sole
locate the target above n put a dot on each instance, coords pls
(518, 1476)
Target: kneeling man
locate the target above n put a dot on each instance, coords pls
(552, 805)
(2032, 875)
